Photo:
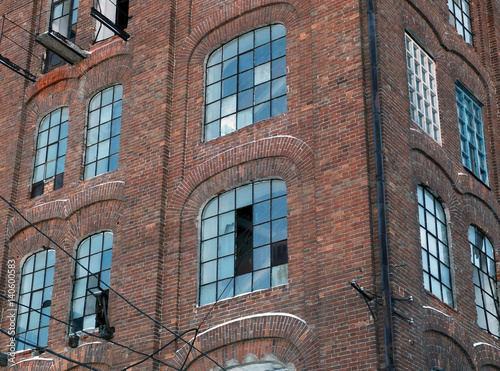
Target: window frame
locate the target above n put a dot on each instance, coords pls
(222, 267)
(491, 275)
(442, 283)
(90, 294)
(45, 295)
(116, 11)
(245, 81)
(91, 159)
(476, 163)
(461, 19)
(38, 185)
(422, 88)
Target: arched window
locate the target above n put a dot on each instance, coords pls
(434, 243)
(246, 81)
(90, 293)
(35, 295)
(485, 281)
(244, 241)
(50, 154)
(103, 132)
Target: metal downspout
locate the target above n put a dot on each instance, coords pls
(379, 168)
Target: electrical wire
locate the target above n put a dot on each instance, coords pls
(158, 351)
(83, 331)
(109, 287)
(231, 280)
(192, 341)
(49, 351)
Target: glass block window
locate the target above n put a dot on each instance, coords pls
(244, 241)
(423, 91)
(434, 243)
(246, 81)
(94, 253)
(470, 123)
(460, 18)
(50, 153)
(485, 281)
(35, 294)
(103, 132)
(64, 17)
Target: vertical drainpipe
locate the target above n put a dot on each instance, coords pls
(379, 169)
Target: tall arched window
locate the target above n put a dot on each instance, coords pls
(244, 241)
(90, 292)
(103, 132)
(485, 281)
(35, 296)
(246, 81)
(50, 154)
(434, 243)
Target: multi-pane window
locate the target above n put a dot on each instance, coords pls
(244, 241)
(35, 297)
(246, 81)
(423, 91)
(103, 132)
(92, 280)
(63, 20)
(434, 243)
(485, 281)
(64, 17)
(471, 133)
(50, 150)
(459, 11)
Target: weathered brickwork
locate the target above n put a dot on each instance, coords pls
(321, 147)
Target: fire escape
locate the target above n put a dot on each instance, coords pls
(38, 36)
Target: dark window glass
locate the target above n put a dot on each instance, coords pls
(103, 132)
(94, 254)
(246, 81)
(244, 241)
(35, 295)
(485, 281)
(434, 243)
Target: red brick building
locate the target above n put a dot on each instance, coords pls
(197, 185)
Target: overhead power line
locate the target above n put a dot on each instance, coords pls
(50, 351)
(83, 331)
(177, 336)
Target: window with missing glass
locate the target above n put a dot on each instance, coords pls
(103, 132)
(434, 244)
(459, 11)
(50, 153)
(470, 123)
(244, 241)
(91, 282)
(246, 81)
(35, 299)
(485, 281)
(422, 89)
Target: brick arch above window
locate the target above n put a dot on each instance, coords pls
(287, 157)
(295, 342)
(65, 209)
